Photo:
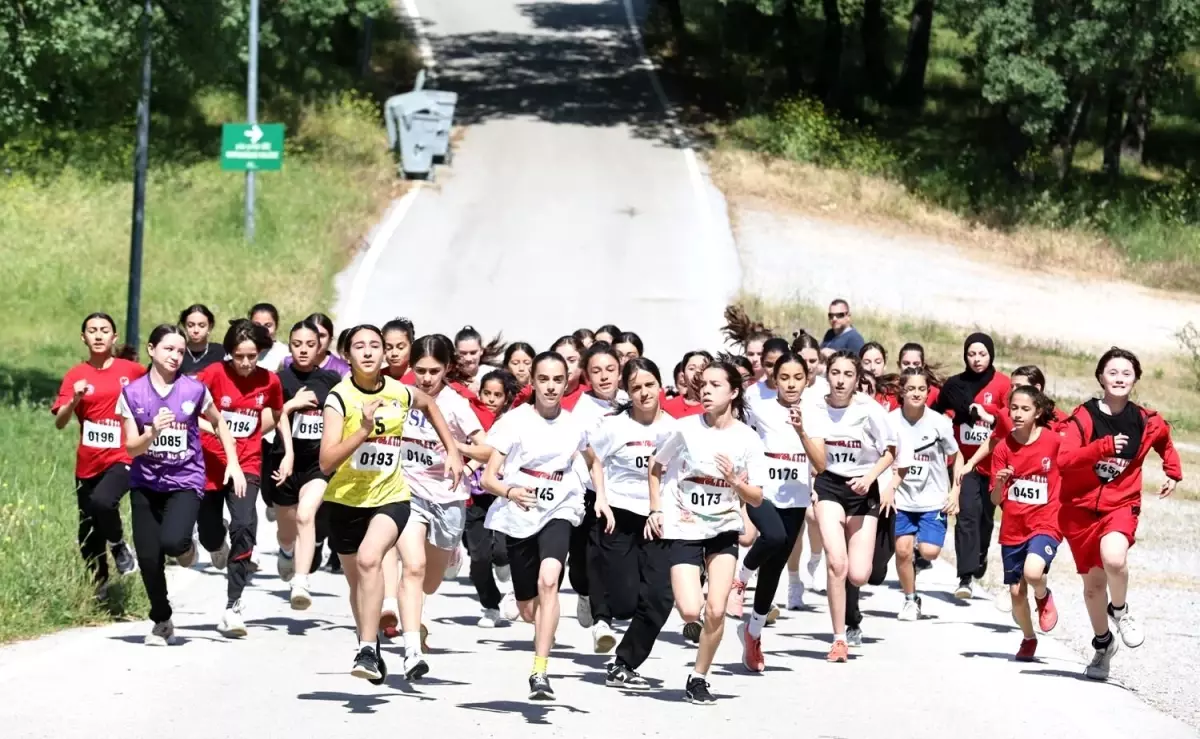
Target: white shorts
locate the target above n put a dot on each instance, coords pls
(443, 521)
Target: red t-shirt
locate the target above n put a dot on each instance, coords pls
(970, 437)
(241, 401)
(1031, 499)
(569, 400)
(934, 392)
(677, 407)
(101, 434)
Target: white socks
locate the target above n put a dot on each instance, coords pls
(794, 577)
(745, 574)
(412, 644)
(757, 622)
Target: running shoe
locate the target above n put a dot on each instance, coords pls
(1101, 662)
(490, 619)
(1003, 602)
(539, 687)
(921, 564)
(910, 611)
(752, 656)
(795, 595)
(1128, 626)
(188, 558)
(603, 639)
(366, 664)
(839, 652)
(1027, 650)
(232, 624)
(583, 611)
(735, 604)
(1047, 612)
(508, 607)
(772, 615)
(965, 589)
(286, 565)
(692, 631)
(389, 622)
(854, 636)
(454, 564)
(300, 599)
(415, 667)
(271, 514)
(162, 635)
(220, 558)
(696, 691)
(123, 556)
(619, 675)
(334, 563)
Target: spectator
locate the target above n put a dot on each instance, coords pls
(841, 335)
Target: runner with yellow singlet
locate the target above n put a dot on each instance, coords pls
(367, 494)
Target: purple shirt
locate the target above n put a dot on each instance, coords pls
(332, 362)
(174, 460)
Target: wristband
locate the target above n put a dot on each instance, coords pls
(507, 490)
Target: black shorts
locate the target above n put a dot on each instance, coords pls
(697, 552)
(287, 493)
(834, 487)
(525, 556)
(348, 525)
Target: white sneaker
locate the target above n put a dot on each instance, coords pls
(854, 636)
(232, 624)
(454, 564)
(220, 558)
(583, 611)
(509, 609)
(1128, 626)
(1101, 662)
(1003, 602)
(162, 635)
(300, 599)
(795, 595)
(910, 611)
(603, 639)
(286, 566)
(490, 619)
(415, 666)
(188, 558)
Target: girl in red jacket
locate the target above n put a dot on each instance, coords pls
(1102, 502)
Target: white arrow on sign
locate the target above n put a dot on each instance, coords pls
(254, 134)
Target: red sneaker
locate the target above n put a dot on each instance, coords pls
(840, 652)
(1028, 647)
(1047, 612)
(388, 623)
(752, 656)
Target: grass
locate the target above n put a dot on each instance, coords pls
(65, 245)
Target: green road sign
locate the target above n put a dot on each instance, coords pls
(257, 146)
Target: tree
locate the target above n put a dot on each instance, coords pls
(910, 87)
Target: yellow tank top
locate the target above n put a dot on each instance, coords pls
(371, 477)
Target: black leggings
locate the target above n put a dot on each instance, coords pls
(778, 529)
(973, 528)
(162, 527)
(577, 558)
(487, 548)
(243, 531)
(99, 502)
(885, 547)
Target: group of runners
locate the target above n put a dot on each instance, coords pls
(582, 461)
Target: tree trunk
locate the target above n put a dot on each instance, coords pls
(874, 33)
(1137, 123)
(1113, 119)
(831, 52)
(1073, 127)
(910, 88)
(675, 13)
(793, 58)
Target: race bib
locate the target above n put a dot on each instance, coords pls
(375, 457)
(420, 453)
(308, 426)
(169, 441)
(787, 468)
(1029, 492)
(101, 435)
(709, 496)
(976, 435)
(841, 455)
(241, 425)
(545, 486)
(917, 473)
(1109, 468)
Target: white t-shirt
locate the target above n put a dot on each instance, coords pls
(818, 389)
(789, 478)
(855, 436)
(589, 411)
(539, 455)
(923, 448)
(759, 392)
(273, 358)
(625, 447)
(424, 460)
(697, 502)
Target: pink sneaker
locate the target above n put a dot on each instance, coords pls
(734, 607)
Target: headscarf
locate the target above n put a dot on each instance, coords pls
(960, 391)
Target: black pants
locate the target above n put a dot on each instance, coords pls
(243, 531)
(272, 455)
(162, 527)
(614, 569)
(99, 501)
(778, 529)
(885, 548)
(654, 600)
(577, 558)
(973, 527)
(487, 548)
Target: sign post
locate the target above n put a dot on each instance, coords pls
(252, 147)
(140, 164)
(252, 111)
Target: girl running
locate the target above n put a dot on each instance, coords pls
(886, 387)
(250, 399)
(972, 400)
(474, 358)
(786, 495)
(368, 495)
(298, 497)
(162, 412)
(328, 359)
(198, 322)
(849, 445)
(634, 567)
(1102, 503)
(532, 470)
(398, 336)
(438, 517)
(699, 477)
(912, 355)
(89, 392)
(687, 402)
(750, 335)
(806, 346)
(923, 493)
(1028, 466)
(607, 333)
(628, 346)
(267, 316)
(518, 359)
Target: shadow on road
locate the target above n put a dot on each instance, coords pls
(534, 713)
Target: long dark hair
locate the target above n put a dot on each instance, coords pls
(508, 382)
(489, 352)
(162, 331)
(631, 368)
(517, 346)
(442, 350)
(741, 330)
(550, 356)
(932, 370)
(738, 404)
(403, 325)
(242, 330)
(1042, 405)
(202, 310)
